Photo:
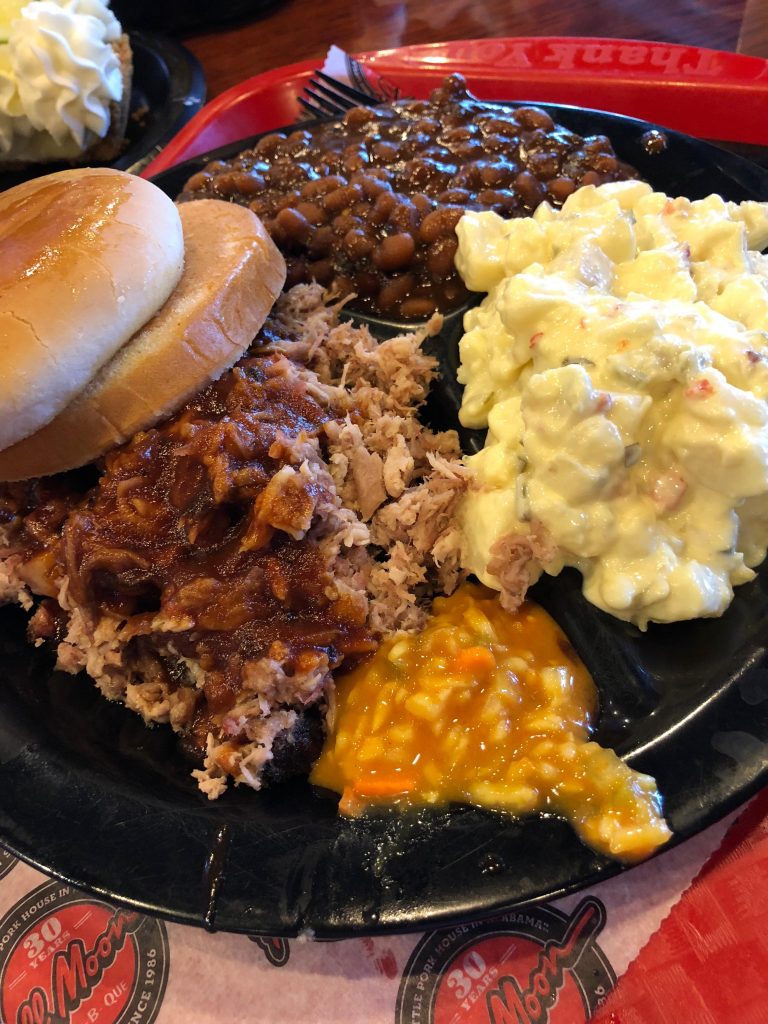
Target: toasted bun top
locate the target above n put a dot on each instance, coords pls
(86, 258)
(233, 273)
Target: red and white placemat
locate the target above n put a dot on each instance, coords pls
(683, 937)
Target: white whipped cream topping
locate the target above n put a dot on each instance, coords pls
(58, 76)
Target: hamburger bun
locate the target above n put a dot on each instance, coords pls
(86, 258)
(232, 275)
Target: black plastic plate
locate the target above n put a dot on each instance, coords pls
(89, 795)
(168, 89)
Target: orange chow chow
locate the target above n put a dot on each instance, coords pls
(488, 708)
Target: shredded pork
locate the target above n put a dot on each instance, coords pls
(229, 560)
(517, 561)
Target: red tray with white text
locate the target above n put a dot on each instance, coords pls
(706, 93)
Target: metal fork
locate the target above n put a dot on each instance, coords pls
(328, 97)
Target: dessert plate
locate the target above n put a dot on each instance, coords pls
(87, 793)
(167, 91)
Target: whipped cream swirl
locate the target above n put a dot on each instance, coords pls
(58, 75)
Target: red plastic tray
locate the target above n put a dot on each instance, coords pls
(707, 93)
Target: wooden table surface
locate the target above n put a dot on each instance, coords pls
(294, 30)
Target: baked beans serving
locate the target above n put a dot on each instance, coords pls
(369, 204)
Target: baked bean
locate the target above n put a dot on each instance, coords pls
(367, 283)
(321, 186)
(423, 203)
(597, 144)
(343, 223)
(454, 293)
(199, 180)
(286, 201)
(544, 165)
(456, 135)
(357, 245)
(239, 182)
(269, 144)
(419, 172)
(293, 225)
(277, 233)
(469, 150)
(537, 140)
(320, 242)
(370, 205)
(285, 176)
(533, 117)
(604, 163)
(394, 252)
(403, 214)
(440, 258)
(500, 200)
(359, 117)
(573, 164)
(355, 161)
(496, 144)
(215, 166)
(395, 291)
(498, 126)
(256, 182)
(441, 158)
(296, 270)
(371, 187)
(300, 135)
(496, 175)
(560, 188)
(314, 213)
(531, 190)
(562, 141)
(386, 152)
(321, 271)
(341, 198)
(384, 205)
(455, 195)
(343, 285)
(440, 224)
(414, 142)
(417, 308)
(467, 177)
(591, 178)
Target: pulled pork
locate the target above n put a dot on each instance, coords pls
(225, 563)
(517, 561)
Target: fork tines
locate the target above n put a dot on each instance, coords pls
(326, 96)
(359, 96)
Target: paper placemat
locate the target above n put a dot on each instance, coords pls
(687, 928)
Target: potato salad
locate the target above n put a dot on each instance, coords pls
(620, 364)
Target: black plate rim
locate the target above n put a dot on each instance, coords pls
(436, 920)
(472, 908)
(186, 96)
